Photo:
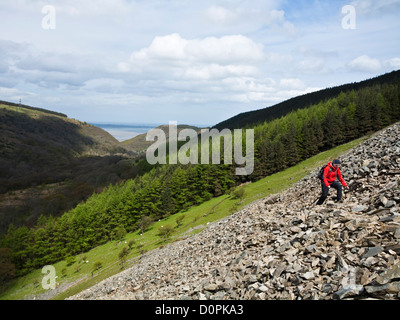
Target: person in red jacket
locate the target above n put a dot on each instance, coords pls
(331, 172)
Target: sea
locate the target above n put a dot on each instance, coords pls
(123, 132)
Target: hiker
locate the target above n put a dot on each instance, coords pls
(328, 180)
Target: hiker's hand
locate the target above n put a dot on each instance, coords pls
(347, 187)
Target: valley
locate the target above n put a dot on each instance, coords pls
(69, 188)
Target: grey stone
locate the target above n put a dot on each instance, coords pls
(327, 288)
(372, 252)
(211, 287)
(393, 287)
(359, 208)
(263, 288)
(348, 291)
(392, 273)
(376, 289)
(390, 204)
(308, 275)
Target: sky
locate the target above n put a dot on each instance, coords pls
(194, 62)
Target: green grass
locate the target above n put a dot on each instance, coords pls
(194, 221)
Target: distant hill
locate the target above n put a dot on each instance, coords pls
(256, 117)
(139, 143)
(49, 162)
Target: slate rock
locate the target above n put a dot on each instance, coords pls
(348, 291)
(372, 252)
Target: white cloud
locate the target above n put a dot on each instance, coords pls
(393, 63)
(227, 49)
(215, 71)
(264, 90)
(276, 19)
(47, 63)
(292, 84)
(14, 95)
(312, 65)
(9, 93)
(220, 15)
(365, 63)
(276, 16)
(171, 47)
(104, 85)
(249, 84)
(201, 70)
(240, 14)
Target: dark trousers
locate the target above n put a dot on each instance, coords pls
(325, 190)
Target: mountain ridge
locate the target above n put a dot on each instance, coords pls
(251, 118)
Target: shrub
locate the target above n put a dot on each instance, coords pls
(179, 220)
(239, 193)
(131, 243)
(144, 223)
(97, 265)
(164, 232)
(70, 260)
(123, 255)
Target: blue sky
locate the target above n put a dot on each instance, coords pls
(195, 62)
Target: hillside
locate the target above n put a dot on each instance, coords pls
(70, 212)
(139, 144)
(49, 163)
(253, 118)
(285, 247)
(168, 189)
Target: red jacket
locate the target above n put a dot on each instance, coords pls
(330, 174)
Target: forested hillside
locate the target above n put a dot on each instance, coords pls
(49, 163)
(117, 210)
(300, 134)
(167, 189)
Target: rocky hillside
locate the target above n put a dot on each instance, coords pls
(285, 247)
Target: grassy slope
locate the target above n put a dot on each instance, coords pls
(195, 220)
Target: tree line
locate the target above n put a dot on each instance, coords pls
(163, 191)
(303, 133)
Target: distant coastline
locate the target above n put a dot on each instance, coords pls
(123, 132)
(126, 131)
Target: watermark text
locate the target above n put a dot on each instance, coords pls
(49, 20)
(49, 280)
(349, 21)
(189, 152)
